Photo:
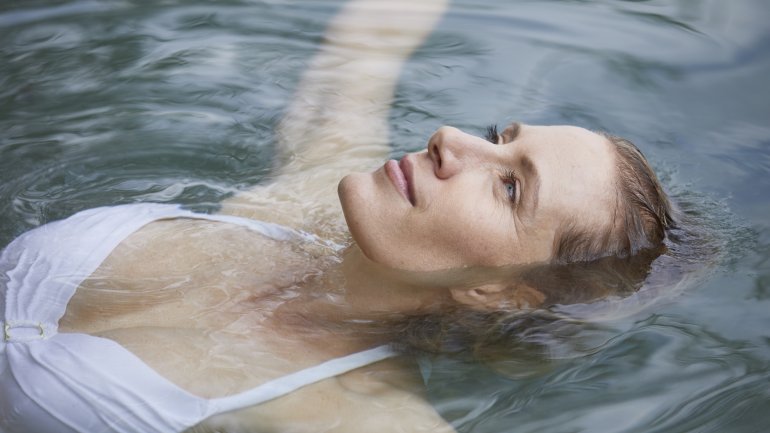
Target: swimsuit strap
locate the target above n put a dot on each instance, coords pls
(270, 230)
(289, 383)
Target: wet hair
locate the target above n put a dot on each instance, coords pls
(642, 214)
(464, 330)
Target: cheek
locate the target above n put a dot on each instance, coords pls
(458, 229)
(478, 231)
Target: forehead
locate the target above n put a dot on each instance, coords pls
(575, 168)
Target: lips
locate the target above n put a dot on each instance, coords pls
(401, 174)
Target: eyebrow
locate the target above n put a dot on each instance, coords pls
(533, 180)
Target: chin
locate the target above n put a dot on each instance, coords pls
(348, 191)
(353, 195)
(356, 192)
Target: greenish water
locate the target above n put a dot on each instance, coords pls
(175, 101)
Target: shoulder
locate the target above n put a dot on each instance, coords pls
(307, 201)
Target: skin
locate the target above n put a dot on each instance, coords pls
(467, 212)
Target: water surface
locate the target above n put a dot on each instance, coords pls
(175, 101)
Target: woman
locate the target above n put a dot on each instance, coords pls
(150, 318)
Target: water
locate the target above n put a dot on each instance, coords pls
(114, 102)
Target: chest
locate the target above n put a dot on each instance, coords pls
(186, 273)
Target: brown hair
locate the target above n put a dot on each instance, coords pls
(642, 214)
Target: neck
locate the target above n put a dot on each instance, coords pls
(372, 289)
(357, 301)
(352, 305)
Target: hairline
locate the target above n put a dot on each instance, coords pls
(582, 233)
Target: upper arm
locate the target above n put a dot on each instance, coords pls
(337, 121)
(339, 115)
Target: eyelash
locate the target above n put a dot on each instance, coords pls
(492, 135)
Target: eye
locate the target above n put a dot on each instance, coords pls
(492, 135)
(510, 189)
(509, 181)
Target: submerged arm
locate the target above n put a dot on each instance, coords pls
(338, 119)
(342, 103)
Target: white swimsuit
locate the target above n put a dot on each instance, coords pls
(70, 382)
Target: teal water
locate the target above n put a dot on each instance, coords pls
(175, 101)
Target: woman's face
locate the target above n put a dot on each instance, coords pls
(466, 201)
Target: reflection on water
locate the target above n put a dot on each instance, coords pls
(104, 103)
(129, 101)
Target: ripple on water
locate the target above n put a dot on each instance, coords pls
(112, 102)
(664, 374)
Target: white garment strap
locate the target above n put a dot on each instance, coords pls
(289, 383)
(270, 230)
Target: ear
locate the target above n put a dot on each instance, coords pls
(499, 296)
(525, 296)
(483, 297)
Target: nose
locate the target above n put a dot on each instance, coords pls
(452, 150)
